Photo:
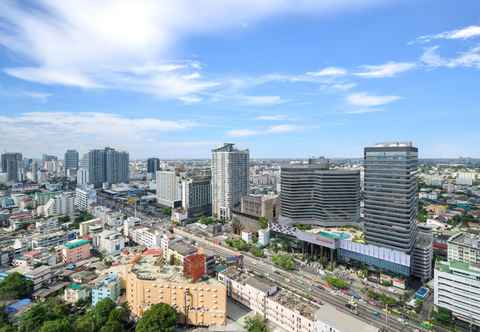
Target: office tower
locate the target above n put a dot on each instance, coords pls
(230, 171)
(390, 200)
(153, 165)
(315, 194)
(169, 190)
(197, 196)
(12, 164)
(107, 165)
(71, 160)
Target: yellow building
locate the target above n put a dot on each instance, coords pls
(150, 282)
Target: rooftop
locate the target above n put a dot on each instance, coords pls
(76, 243)
(458, 266)
(182, 247)
(466, 239)
(153, 268)
(294, 302)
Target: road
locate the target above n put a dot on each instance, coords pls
(301, 284)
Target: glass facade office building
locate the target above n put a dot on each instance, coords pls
(390, 201)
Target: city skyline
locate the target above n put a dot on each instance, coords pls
(281, 79)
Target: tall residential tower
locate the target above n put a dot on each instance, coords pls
(229, 179)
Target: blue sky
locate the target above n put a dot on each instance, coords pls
(282, 78)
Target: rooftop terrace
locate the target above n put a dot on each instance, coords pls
(153, 268)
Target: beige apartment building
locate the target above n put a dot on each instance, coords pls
(149, 282)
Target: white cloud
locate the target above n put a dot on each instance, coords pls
(470, 58)
(388, 69)
(93, 44)
(52, 76)
(280, 129)
(276, 117)
(342, 86)
(38, 96)
(468, 32)
(241, 133)
(365, 110)
(261, 100)
(57, 131)
(363, 99)
(277, 129)
(329, 71)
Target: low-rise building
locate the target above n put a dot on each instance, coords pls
(75, 293)
(147, 237)
(106, 287)
(199, 304)
(285, 309)
(464, 247)
(111, 242)
(457, 288)
(178, 250)
(76, 250)
(40, 276)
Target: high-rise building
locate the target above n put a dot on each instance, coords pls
(315, 194)
(71, 160)
(49, 157)
(197, 196)
(11, 165)
(153, 165)
(96, 167)
(230, 170)
(82, 177)
(390, 195)
(34, 171)
(169, 189)
(108, 166)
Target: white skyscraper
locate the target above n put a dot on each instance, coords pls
(229, 179)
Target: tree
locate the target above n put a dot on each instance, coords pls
(112, 326)
(58, 325)
(85, 323)
(102, 311)
(15, 286)
(167, 211)
(256, 324)
(284, 261)
(33, 318)
(263, 222)
(257, 252)
(443, 316)
(337, 282)
(159, 318)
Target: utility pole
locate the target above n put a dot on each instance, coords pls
(386, 316)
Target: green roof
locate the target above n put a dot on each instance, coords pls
(75, 243)
(74, 286)
(460, 266)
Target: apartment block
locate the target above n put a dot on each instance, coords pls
(149, 282)
(76, 250)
